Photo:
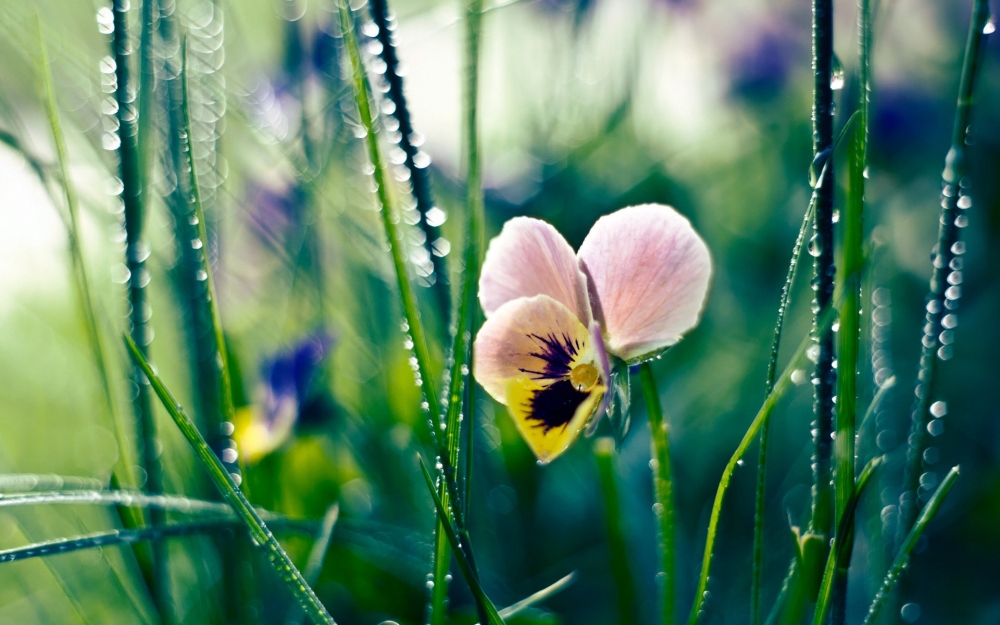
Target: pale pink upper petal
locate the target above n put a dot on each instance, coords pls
(529, 257)
(648, 273)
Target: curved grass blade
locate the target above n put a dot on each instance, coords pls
(943, 297)
(488, 611)
(534, 599)
(903, 556)
(840, 549)
(127, 537)
(230, 491)
(781, 387)
(663, 490)
(772, 370)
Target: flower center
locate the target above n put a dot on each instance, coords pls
(583, 377)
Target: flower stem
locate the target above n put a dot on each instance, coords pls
(617, 545)
(663, 488)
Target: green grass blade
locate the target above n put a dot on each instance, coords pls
(420, 180)
(136, 251)
(756, 590)
(390, 217)
(225, 389)
(128, 537)
(903, 556)
(781, 387)
(516, 608)
(604, 449)
(461, 351)
(126, 461)
(230, 491)
(663, 487)
(317, 555)
(483, 603)
(845, 527)
(954, 186)
(850, 320)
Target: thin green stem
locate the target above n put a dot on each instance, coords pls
(261, 535)
(128, 537)
(845, 528)
(488, 612)
(903, 556)
(942, 300)
(756, 590)
(317, 556)
(781, 387)
(604, 449)
(420, 181)
(850, 319)
(663, 487)
(222, 358)
(390, 221)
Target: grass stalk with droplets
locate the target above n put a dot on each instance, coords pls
(850, 324)
(839, 547)
(420, 181)
(225, 407)
(942, 299)
(821, 247)
(772, 370)
(111, 538)
(781, 387)
(131, 174)
(223, 481)
(617, 545)
(908, 544)
(461, 352)
(663, 487)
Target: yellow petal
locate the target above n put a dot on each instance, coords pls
(535, 337)
(550, 416)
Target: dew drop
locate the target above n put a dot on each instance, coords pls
(935, 427)
(815, 246)
(939, 409)
(990, 27)
(837, 74)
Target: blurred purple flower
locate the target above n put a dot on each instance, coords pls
(274, 210)
(907, 120)
(285, 396)
(760, 65)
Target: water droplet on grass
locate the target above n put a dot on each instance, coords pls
(990, 27)
(837, 74)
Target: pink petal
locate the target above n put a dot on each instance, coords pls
(510, 343)
(529, 257)
(648, 273)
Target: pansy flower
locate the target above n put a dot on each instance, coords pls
(557, 321)
(283, 397)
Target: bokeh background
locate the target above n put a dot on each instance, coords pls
(586, 106)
